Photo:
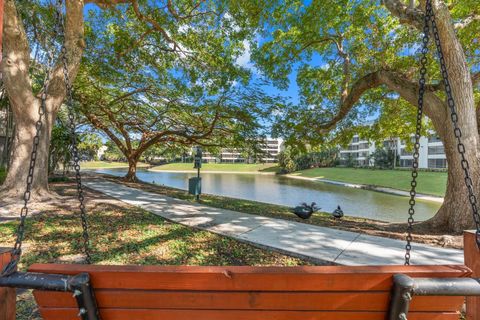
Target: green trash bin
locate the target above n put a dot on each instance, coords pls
(195, 186)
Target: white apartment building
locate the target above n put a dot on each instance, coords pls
(271, 147)
(431, 153)
(358, 151)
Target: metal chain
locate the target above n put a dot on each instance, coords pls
(418, 131)
(20, 233)
(74, 146)
(472, 198)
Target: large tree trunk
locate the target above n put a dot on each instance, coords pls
(16, 180)
(456, 213)
(132, 169)
(15, 68)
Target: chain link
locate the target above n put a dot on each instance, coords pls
(74, 146)
(472, 198)
(42, 110)
(418, 132)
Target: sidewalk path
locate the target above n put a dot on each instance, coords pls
(294, 238)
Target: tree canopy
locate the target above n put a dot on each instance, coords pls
(145, 85)
(350, 58)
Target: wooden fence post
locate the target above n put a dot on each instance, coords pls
(472, 260)
(7, 295)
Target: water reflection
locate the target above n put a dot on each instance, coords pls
(290, 192)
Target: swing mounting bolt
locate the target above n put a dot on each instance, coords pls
(82, 311)
(77, 293)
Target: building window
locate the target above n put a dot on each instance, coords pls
(355, 139)
(389, 144)
(364, 145)
(355, 147)
(406, 163)
(404, 152)
(434, 139)
(362, 162)
(437, 163)
(436, 150)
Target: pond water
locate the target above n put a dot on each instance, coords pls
(290, 192)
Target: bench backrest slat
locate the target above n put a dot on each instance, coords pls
(241, 293)
(149, 314)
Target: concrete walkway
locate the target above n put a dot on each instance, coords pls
(294, 238)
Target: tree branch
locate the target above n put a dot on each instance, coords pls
(407, 14)
(127, 95)
(468, 20)
(99, 125)
(74, 44)
(152, 22)
(156, 137)
(476, 78)
(394, 81)
(107, 3)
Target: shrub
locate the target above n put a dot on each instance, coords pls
(290, 161)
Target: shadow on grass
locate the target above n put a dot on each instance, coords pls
(128, 235)
(275, 169)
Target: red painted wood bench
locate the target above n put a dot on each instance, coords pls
(253, 293)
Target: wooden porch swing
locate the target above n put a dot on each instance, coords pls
(91, 292)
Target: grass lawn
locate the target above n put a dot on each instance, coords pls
(123, 234)
(108, 164)
(231, 167)
(433, 183)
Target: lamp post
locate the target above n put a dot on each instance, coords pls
(197, 164)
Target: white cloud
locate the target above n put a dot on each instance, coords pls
(244, 60)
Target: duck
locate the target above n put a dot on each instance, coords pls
(305, 211)
(337, 213)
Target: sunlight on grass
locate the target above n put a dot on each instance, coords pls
(133, 236)
(433, 183)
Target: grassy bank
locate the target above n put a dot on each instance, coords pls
(221, 167)
(433, 183)
(108, 165)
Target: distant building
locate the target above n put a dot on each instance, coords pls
(358, 151)
(101, 151)
(431, 153)
(270, 147)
